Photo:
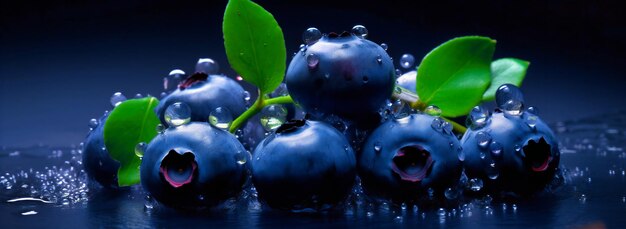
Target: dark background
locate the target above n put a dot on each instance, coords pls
(60, 61)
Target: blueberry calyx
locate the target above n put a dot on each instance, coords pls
(290, 126)
(538, 154)
(195, 78)
(178, 169)
(412, 163)
(342, 34)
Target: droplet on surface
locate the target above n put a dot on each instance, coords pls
(171, 81)
(312, 61)
(311, 35)
(496, 149)
(475, 184)
(377, 146)
(477, 118)
(483, 139)
(510, 99)
(221, 118)
(93, 123)
(177, 114)
(241, 157)
(273, 116)
(451, 193)
(117, 98)
(379, 59)
(208, 66)
(160, 128)
(384, 46)
(531, 121)
(432, 111)
(246, 96)
(140, 149)
(360, 31)
(407, 60)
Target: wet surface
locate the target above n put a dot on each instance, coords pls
(46, 187)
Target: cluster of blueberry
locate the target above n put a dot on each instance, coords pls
(312, 164)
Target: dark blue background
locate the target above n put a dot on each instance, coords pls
(60, 61)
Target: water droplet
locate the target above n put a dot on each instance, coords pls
(384, 46)
(221, 118)
(483, 139)
(208, 66)
(140, 149)
(496, 149)
(582, 198)
(312, 61)
(407, 60)
(510, 99)
(246, 96)
(359, 31)
(273, 116)
(441, 212)
(451, 193)
(475, 184)
(171, 81)
(437, 124)
(482, 155)
(432, 111)
(531, 121)
(241, 157)
(533, 110)
(177, 114)
(379, 59)
(398, 73)
(477, 118)
(29, 213)
(514, 207)
(377, 147)
(160, 128)
(311, 35)
(93, 123)
(117, 98)
(148, 204)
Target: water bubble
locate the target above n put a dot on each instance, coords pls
(208, 66)
(246, 96)
(140, 148)
(177, 114)
(311, 35)
(148, 204)
(482, 155)
(495, 148)
(441, 212)
(531, 121)
(377, 146)
(477, 118)
(273, 116)
(437, 124)
(221, 118)
(432, 111)
(475, 184)
(384, 46)
(160, 128)
(398, 73)
(93, 123)
(138, 96)
(241, 157)
(407, 60)
(451, 193)
(360, 31)
(379, 59)
(483, 139)
(117, 98)
(281, 90)
(171, 81)
(510, 99)
(312, 61)
(533, 110)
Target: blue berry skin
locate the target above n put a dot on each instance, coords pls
(194, 165)
(304, 166)
(404, 158)
(96, 160)
(204, 96)
(353, 77)
(522, 172)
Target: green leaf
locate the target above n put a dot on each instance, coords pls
(254, 44)
(454, 75)
(503, 71)
(130, 123)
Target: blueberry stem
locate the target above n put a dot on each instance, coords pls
(258, 105)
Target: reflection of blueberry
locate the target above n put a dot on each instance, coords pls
(203, 94)
(305, 165)
(405, 159)
(96, 160)
(342, 75)
(513, 153)
(194, 165)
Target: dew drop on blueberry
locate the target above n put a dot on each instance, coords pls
(432, 111)
(93, 123)
(496, 149)
(312, 61)
(360, 31)
(170, 83)
(177, 114)
(273, 116)
(221, 118)
(117, 98)
(384, 46)
(437, 124)
(208, 66)
(160, 128)
(379, 59)
(510, 99)
(531, 121)
(241, 157)
(475, 184)
(311, 35)
(407, 60)
(377, 147)
(477, 118)
(483, 139)
(451, 193)
(246, 96)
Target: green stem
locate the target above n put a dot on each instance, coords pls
(455, 126)
(258, 105)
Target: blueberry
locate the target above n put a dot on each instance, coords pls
(96, 160)
(410, 158)
(203, 94)
(343, 75)
(194, 165)
(511, 153)
(304, 166)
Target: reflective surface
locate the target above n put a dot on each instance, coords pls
(43, 187)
